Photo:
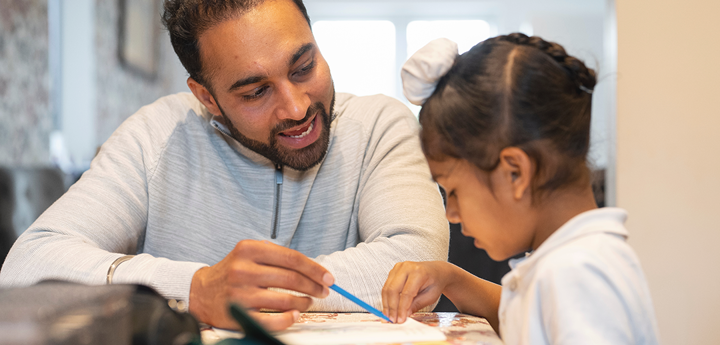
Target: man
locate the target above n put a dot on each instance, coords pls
(225, 194)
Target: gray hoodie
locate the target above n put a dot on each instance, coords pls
(173, 187)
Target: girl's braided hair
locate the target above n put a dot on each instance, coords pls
(519, 91)
(576, 69)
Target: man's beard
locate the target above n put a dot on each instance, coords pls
(298, 159)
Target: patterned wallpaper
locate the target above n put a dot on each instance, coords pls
(25, 120)
(121, 92)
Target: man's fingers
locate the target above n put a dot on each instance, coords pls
(267, 253)
(276, 321)
(274, 300)
(278, 277)
(296, 261)
(245, 274)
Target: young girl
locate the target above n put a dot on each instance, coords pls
(505, 129)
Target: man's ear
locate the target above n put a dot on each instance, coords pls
(204, 96)
(518, 169)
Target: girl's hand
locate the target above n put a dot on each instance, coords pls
(413, 285)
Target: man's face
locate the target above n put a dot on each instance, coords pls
(271, 84)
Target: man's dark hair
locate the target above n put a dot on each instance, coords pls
(518, 91)
(186, 20)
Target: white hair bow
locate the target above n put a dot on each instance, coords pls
(422, 71)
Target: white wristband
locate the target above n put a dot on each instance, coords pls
(114, 266)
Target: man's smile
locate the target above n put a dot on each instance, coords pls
(299, 131)
(301, 136)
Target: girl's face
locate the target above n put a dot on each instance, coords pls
(493, 207)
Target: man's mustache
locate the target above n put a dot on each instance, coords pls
(314, 108)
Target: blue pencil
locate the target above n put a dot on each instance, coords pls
(360, 303)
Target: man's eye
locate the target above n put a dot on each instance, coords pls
(305, 70)
(257, 93)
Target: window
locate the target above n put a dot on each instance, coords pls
(366, 55)
(466, 33)
(361, 55)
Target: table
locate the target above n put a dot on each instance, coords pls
(460, 329)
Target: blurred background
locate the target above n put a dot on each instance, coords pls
(71, 71)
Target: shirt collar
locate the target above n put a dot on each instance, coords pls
(606, 220)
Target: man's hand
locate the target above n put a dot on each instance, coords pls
(244, 275)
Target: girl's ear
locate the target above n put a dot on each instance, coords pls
(204, 96)
(518, 169)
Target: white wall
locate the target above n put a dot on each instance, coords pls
(668, 171)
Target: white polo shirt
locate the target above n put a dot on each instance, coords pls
(583, 285)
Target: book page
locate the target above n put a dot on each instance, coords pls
(355, 329)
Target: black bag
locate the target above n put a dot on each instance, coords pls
(61, 313)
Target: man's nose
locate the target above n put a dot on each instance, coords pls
(294, 102)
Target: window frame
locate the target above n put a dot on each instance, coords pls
(401, 13)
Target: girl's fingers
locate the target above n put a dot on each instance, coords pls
(413, 285)
(391, 291)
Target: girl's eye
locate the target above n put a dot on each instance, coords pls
(257, 93)
(451, 194)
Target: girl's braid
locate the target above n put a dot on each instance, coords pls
(576, 69)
